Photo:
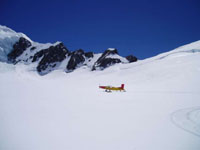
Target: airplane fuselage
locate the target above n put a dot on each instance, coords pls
(110, 88)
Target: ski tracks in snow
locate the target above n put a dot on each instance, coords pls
(188, 119)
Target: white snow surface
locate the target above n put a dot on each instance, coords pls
(111, 49)
(67, 111)
(188, 119)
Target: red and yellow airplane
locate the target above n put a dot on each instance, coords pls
(110, 88)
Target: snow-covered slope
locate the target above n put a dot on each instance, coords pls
(8, 38)
(182, 51)
(59, 111)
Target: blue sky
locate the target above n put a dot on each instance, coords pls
(143, 28)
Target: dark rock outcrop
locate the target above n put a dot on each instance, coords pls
(77, 58)
(108, 52)
(33, 48)
(131, 58)
(103, 62)
(51, 58)
(18, 48)
(39, 54)
(89, 54)
(106, 63)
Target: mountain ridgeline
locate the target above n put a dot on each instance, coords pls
(51, 58)
(18, 48)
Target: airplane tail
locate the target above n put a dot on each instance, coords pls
(122, 86)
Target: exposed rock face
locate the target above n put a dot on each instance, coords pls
(51, 58)
(18, 49)
(105, 61)
(109, 52)
(131, 58)
(89, 54)
(77, 58)
(32, 48)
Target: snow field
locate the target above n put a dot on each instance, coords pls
(188, 119)
(68, 111)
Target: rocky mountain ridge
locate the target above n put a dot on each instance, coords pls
(49, 57)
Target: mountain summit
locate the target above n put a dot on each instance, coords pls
(17, 47)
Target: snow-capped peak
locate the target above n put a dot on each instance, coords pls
(111, 49)
(8, 38)
(6, 32)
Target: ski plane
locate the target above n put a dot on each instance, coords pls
(111, 88)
